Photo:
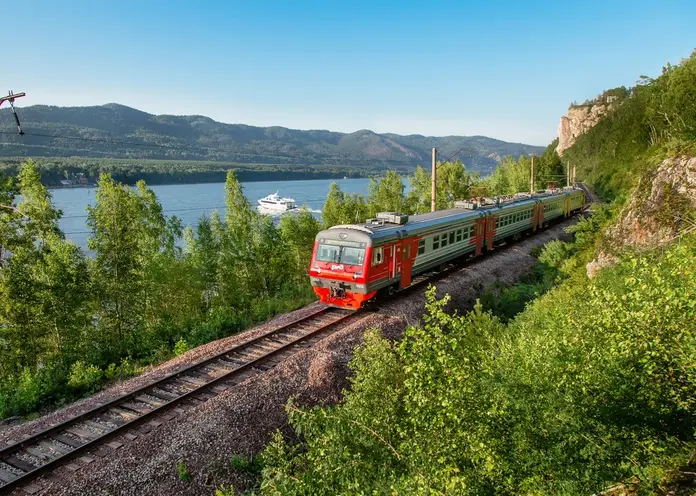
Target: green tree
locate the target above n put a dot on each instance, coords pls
(332, 212)
(387, 194)
(44, 286)
(298, 233)
(135, 259)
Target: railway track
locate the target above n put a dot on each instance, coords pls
(39, 454)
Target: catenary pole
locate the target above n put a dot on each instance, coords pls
(433, 189)
(11, 98)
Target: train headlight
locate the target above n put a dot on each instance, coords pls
(316, 269)
(356, 275)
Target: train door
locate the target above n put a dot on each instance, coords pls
(389, 260)
(566, 205)
(490, 231)
(410, 250)
(396, 260)
(479, 232)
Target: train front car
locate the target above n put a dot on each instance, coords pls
(340, 262)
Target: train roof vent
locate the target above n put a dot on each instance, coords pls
(391, 218)
(468, 204)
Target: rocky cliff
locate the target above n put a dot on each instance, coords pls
(661, 208)
(579, 120)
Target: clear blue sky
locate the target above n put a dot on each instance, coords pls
(505, 69)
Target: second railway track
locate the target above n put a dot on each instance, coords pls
(22, 462)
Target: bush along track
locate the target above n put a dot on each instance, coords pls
(592, 384)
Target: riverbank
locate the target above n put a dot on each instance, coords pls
(164, 172)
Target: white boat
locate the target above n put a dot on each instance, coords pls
(275, 202)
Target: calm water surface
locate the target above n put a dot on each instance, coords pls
(190, 201)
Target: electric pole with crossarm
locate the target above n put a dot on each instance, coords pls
(11, 98)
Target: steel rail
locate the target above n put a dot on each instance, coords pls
(91, 444)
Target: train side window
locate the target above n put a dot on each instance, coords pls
(377, 256)
(436, 242)
(451, 237)
(421, 247)
(459, 235)
(471, 232)
(443, 240)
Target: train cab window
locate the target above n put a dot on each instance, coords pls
(377, 255)
(436, 242)
(443, 240)
(458, 235)
(421, 247)
(451, 237)
(328, 253)
(352, 256)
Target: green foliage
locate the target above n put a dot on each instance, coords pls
(454, 182)
(387, 194)
(181, 347)
(592, 384)
(225, 491)
(656, 121)
(513, 176)
(84, 377)
(66, 321)
(183, 471)
(248, 464)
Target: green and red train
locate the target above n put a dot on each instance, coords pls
(351, 263)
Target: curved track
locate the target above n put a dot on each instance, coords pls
(24, 461)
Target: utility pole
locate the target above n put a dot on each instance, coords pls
(574, 178)
(531, 180)
(568, 174)
(433, 189)
(11, 98)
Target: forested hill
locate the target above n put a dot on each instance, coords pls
(196, 137)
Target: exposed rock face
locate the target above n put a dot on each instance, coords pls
(660, 206)
(603, 260)
(579, 120)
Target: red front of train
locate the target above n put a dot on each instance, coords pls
(339, 268)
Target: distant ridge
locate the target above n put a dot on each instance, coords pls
(193, 137)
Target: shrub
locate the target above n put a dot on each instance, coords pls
(181, 347)
(84, 377)
(591, 385)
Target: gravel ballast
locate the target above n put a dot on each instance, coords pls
(241, 420)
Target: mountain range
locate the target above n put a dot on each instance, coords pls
(118, 131)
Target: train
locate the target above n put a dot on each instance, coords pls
(352, 263)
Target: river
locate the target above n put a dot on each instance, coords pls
(189, 201)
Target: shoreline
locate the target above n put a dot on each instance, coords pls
(184, 183)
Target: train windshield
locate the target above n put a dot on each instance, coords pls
(345, 252)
